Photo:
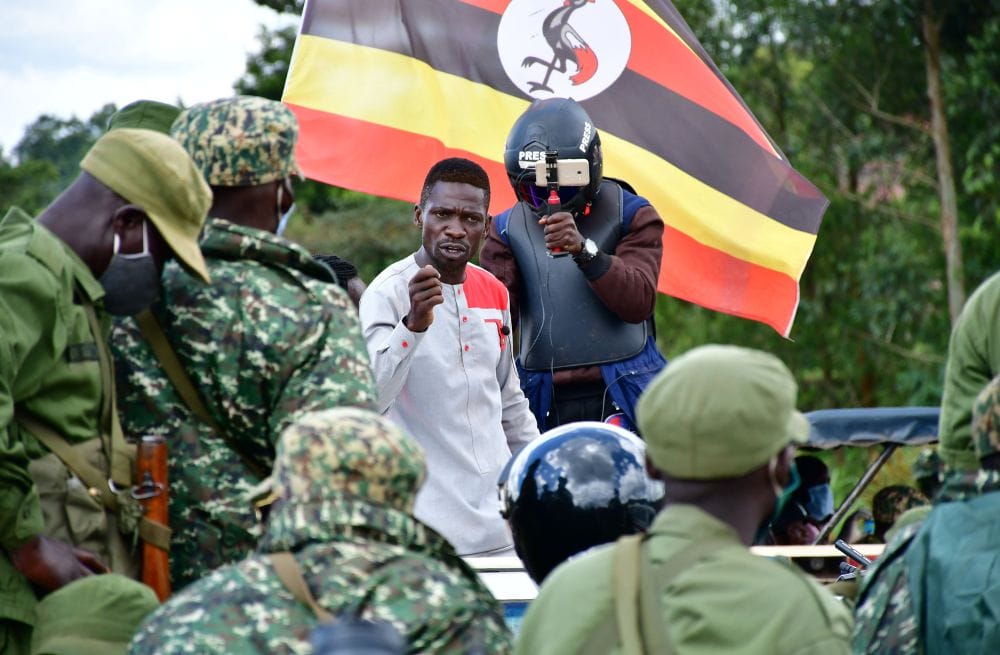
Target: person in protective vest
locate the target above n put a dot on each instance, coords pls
(586, 345)
(936, 587)
(577, 486)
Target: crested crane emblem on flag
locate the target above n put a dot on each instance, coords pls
(563, 48)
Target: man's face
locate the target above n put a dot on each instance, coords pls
(452, 222)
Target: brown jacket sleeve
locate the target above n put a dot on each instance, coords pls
(626, 280)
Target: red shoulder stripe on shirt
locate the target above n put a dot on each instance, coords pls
(482, 290)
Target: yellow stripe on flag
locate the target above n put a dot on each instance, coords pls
(400, 92)
(397, 91)
(706, 215)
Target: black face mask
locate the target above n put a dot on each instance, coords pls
(131, 282)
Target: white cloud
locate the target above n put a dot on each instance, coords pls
(70, 57)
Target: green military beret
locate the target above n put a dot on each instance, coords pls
(145, 114)
(719, 412)
(96, 615)
(240, 141)
(350, 452)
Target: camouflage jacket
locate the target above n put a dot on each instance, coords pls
(931, 589)
(270, 339)
(357, 558)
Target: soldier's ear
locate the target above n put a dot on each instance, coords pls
(416, 217)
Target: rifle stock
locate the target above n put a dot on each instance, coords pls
(152, 491)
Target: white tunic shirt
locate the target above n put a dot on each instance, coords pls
(455, 389)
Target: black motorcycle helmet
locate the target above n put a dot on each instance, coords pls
(558, 124)
(576, 486)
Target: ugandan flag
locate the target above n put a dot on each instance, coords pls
(383, 89)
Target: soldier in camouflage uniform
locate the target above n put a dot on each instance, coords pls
(928, 473)
(936, 587)
(890, 503)
(345, 481)
(274, 337)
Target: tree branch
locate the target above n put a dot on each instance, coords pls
(870, 105)
(923, 358)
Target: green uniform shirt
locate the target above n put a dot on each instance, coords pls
(273, 337)
(49, 366)
(973, 360)
(731, 601)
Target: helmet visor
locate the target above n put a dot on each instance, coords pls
(537, 196)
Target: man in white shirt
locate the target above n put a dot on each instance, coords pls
(438, 331)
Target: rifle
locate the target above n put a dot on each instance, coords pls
(850, 572)
(151, 491)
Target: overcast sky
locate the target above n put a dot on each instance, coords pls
(70, 57)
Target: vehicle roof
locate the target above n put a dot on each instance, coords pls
(867, 426)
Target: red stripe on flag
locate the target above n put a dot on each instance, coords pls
(708, 277)
(496, 6)
(663, 58)
(380, 160)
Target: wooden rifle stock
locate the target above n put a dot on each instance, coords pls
(152, 491)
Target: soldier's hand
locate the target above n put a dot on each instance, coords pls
(50, 564)
(425, 293)
(561, 233)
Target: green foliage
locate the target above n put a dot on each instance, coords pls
(849, 107)
(369, 232)
(268, 67)
(283, 6)
(973, 97)
(27, 185)
(62, 142)
(265, 76)
(48, 159)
